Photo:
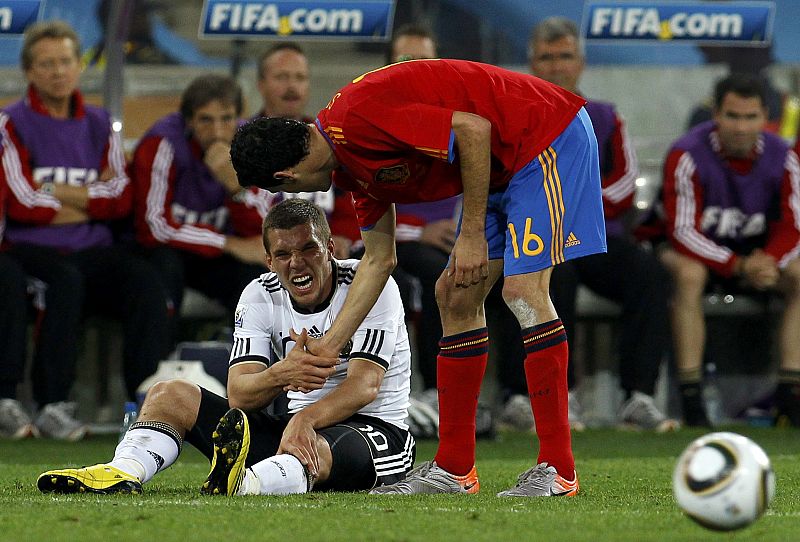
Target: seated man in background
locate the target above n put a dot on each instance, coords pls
(201, 229)
(284, 80)
(345, 431)
(556, 56)
(730, 196)
(65, 170)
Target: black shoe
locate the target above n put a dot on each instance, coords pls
(231, 444)
(787, 400)
(694, 411)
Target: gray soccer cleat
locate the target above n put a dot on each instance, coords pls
(542, 481)
(641, 412)
(429, 478)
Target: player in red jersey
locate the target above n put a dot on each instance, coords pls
(523, 153)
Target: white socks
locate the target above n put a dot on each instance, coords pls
(143, 452)
(277, 475)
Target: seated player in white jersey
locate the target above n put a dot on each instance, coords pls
(345, 429)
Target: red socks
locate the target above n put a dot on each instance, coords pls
(546, 374)
(459, 373)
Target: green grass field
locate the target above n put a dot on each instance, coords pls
(625, 482)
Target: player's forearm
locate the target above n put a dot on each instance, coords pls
(254, 390)
(370, 279)
(473, 138)
(348, 398)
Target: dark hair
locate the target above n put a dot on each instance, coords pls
(47, 29)
(265, 146)
(207, 88)
(295, 212)
(411, 29)
(277, 48)
(741, 84)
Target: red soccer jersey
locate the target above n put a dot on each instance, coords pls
(391, 132)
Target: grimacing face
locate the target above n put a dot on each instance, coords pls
(740, 121)
(302, 261)
(559, 62)
(285, 85)
(215, 121)
(54, 70)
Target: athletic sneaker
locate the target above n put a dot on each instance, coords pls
(517, 414)
(101, 478)
(641, 412)
(231, 444)
(575, 413)
(431, 478)
(15, 423)
(542, 481)
(57, 421)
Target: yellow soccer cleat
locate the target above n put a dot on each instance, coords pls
(231, 445)
(103, 479)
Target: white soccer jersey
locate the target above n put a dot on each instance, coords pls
(265, 315)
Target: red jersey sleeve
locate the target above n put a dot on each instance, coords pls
(153, 173)
(25, 203)
(783, 242)
(112, 198)
(619, 179)
(683, 209)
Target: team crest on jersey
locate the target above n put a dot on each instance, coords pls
(393, 175)
(238, 319)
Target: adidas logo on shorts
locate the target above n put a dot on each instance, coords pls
(572, 240)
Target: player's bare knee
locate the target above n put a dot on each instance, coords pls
(457, 301)
(171, 398)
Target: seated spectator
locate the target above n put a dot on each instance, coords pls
(730, 198)
(283, 82)
(556, 56)
(199, 227)
(65, 170)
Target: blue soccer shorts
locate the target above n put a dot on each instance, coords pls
(552, 209)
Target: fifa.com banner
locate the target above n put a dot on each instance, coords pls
(720, 23)
(359, 20)
(17, 15)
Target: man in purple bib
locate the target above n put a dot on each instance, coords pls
(732, 204)
(65, 170)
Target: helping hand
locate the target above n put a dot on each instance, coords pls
(303, 370)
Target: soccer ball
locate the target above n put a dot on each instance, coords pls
(723, 481)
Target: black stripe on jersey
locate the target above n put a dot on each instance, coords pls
(241, 347)
(370, 357)
(373, 340)
(251, 358)
(366, 339)
(271, 284)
